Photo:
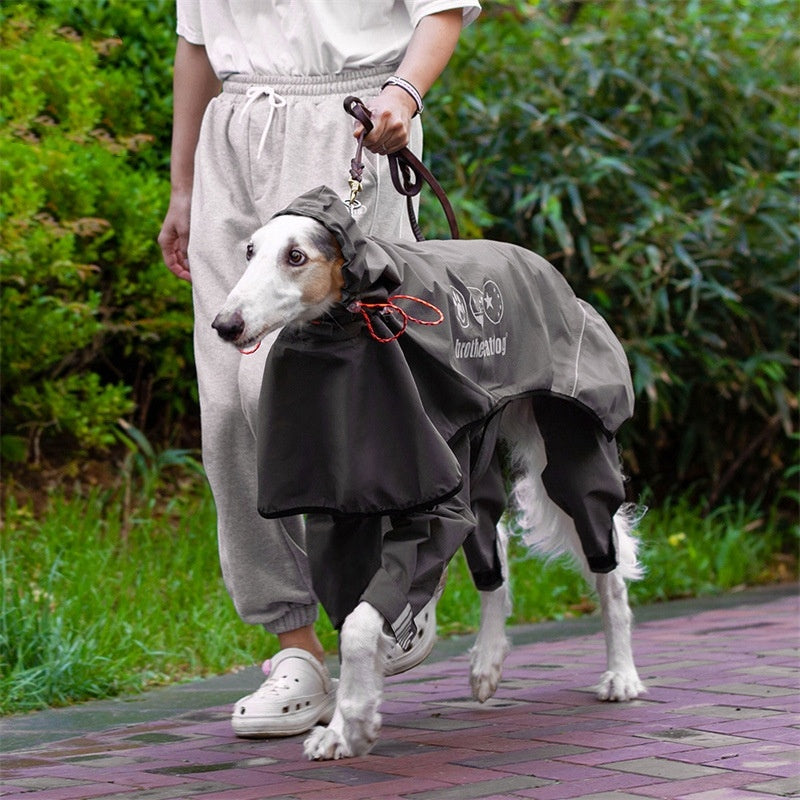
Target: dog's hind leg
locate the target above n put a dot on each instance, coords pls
(491, 646)
(582, 481)
(356, 722)
(621, 680)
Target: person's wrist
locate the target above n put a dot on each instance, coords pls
(407, 91)
(401, 99)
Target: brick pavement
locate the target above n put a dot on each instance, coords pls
(721, 721)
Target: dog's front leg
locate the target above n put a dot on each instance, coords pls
(621, 680)
(356, 721)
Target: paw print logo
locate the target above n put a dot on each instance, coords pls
(461, 308)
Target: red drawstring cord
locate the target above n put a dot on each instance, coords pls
(389, 307)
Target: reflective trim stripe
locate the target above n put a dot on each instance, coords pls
(404, 629)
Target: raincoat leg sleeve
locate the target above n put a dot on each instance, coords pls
(395, 563)
(418, 547)
(344, 552)
(583, 476)
(415, 551)
(488, 502)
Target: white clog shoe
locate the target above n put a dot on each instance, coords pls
(298, 694)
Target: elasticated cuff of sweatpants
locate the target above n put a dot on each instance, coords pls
(294, 618)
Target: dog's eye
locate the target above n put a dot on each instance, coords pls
(297, 257)
(250, 251)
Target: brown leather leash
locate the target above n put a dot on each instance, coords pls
(407, 171)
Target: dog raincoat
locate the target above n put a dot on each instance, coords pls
(388, 408)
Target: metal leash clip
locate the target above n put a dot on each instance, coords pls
(353, 203)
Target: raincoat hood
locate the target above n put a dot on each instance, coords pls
(369, 271)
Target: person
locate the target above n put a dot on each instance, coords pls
(257, 120)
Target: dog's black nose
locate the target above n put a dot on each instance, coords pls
(229, 327)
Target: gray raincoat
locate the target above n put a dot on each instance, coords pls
(380, 421)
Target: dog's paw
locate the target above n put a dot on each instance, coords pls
(619, 686)
(342, 740)
(486, 668)
(325, 744)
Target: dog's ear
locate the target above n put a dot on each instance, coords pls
(327, 244)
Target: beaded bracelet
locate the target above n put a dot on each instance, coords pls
(408, 87)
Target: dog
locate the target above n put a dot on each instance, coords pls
(299, 274)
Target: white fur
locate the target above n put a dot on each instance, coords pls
(491, 645)
(272, 293)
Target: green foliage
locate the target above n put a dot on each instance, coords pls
(686, 553)
(136, 42)
(108, 592)
(649, 149)
(74, 404)
(93, 326)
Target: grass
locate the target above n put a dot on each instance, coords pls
(104, 595)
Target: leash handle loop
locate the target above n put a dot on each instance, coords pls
(403, 166)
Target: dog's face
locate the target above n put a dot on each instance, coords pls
(294, 274)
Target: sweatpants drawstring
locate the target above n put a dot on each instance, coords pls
(275, 101)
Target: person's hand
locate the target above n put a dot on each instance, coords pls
(174, 236)
(391, 112)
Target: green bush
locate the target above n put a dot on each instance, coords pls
(93, 327)
(136, 42)
(649, 150)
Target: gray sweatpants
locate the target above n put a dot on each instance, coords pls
(308, 142)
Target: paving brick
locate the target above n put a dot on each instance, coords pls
(675, 789)
(645, 749)
(70, 793)
(48, 782)
(753, 689)
(786, 787)
(663, 768)
(613, 795)
(724, 794)
(728, 712)
(536, 753)
(697, 738)
(555, 770)
(718, 756)
(785, 764)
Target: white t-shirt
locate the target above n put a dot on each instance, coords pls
(306, 37)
